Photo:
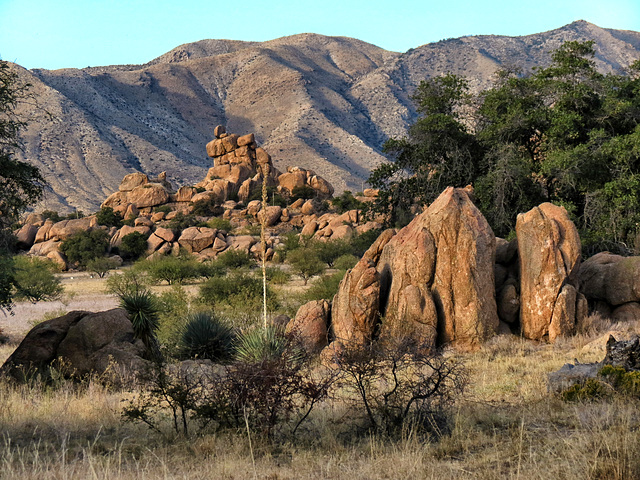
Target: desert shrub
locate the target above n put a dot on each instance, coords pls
(85, 246)
(106, 216)
(623, 381)
(170, 269)
(277, 276)
(237, 289)
(346, 202)
(262, 344)
(211, 268)
(345, 262)
(325, 287)
(101, 265)
(133, 246)
(206, 336)
(207, 207)
(174, 306)
(397, 386)
(51, 215)
(142, 309)
(234, 259)
(129, 282)
(330, 250)
(162, 209)
(220, 223)
(361, 243)
(273, 197)
(305, 263)
(291, 241)
(592, 389)
(34, 279)
(182, 221)
(305, 192)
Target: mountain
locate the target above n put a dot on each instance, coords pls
(325, 103)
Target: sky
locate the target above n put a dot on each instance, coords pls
(56, 34)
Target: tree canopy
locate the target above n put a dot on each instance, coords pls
(565, 134)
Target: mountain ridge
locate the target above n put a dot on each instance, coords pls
(324, 103)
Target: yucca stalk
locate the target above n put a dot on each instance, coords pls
(263, 241)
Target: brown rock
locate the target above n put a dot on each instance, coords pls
(196, 239)
(58, 258)
(371, 192)
(273, 214)
(219, 131)
(158, 217)
(298, 204)
(563, 318)
(246, 140)
(154, 242)
(309, 229)
(215, 148)
(166, 234)
(116, 240)
(26, 236)
(262, 157)
(611, 278)
(310, 325)
(133, 180)
(343, 232)
(43, 232)
(549, 253)
(184, 194)
(115, 200)
(354, 309)
(321, 186)
(463, 285)
(241, 242)
(149, 195)
(131, 212)
(67, 228)
(626, 312)
(291, 180)
(508, 302)
(143, 221)
(43, 249)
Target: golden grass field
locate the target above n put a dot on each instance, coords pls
(505, 426)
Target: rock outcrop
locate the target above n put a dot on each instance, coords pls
(549, 252)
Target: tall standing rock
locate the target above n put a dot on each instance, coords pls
(549, 250)
(463, 285)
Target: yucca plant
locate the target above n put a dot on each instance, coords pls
(205, 336)
(264, 344)
(142, 308)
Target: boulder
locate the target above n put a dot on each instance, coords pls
(43, 232)
(67, 228)
(196, 239)
(26, 236)
(116, 240)
(549, 254)
(626, 312)
(44, 248)
(291, 180)
(272, 216)
(86, 342)
(611, 278)
(310, 325)
(184, 194)
(166, 234)
(241, 242)
(307, 208)
(115, 200)
(133, 180)
(508, 302)
(148, 195)
(309, 229)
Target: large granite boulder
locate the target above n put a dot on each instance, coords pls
(310, 325)
(549, 251)
(83, 342)
(611, 278)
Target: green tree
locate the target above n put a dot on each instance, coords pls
(35, 280)
(106, 216)
(83, 247)
(21, 184)
(305, 263)
(133, 246)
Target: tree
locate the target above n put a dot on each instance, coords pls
(305, 262)
(564, 134)
(85, 246)
(21, 184)
(34, 279)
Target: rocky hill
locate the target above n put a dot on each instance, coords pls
(325, 103)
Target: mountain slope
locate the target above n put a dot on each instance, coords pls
(326, 103)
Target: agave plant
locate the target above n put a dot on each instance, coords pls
(205, 336)
(142, 309)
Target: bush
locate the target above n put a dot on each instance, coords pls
(361, 243)
(34, 279)
(182, 221)
(398, 386)
(262, 344)
(305, 263)
(220, 223)
(170, 269)
(330, 250)
(129, 282)
(51, 215)
(234, 259)
(100, 266)
(325, 287)
(106, 216)
(133, 246)
(277, 276)
(205, 336)
(346, 202)
(206, 208)
(211, 268)
(85, 246)
(305, 192)
(345, 262)
(236, 289)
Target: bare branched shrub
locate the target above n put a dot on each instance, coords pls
(398, 386)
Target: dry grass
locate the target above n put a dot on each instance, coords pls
(506, 426)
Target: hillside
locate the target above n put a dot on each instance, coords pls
(326, 103)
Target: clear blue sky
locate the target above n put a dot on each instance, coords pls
(78, 33)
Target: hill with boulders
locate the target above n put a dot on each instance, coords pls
(326, 104)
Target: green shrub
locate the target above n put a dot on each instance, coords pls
(170, 269)
(220, 223)
(205, 336)
(346, 202)
(305, 263)
(129, 282)
(361, 243)
(182, 221)
(234, 259)
(345, 262)
(34, 279)
(305, 192)
(277, 276)
(592, 389)
(85, 246)
(273, 197)
(325, 287)
(330, 250)
(162, 209)
(101, 265)
(237, 289)
(106, 216)
(211, 268)
(627, 382)
(207, 207)
(133, 246)
(174, 305)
